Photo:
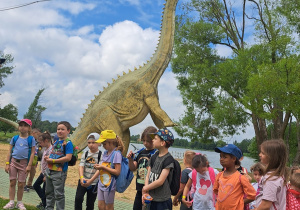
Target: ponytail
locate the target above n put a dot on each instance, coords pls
(120, 144)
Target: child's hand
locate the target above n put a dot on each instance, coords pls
(98, 166)
(46, 157)
(175, 201)
(187, 203)
(44, 179)
(7, 168)
(28, 168)
(130, 155)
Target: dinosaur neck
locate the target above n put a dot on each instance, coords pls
(154, 69)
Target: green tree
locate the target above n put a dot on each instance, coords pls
(5, 70)
(291, 9)
(256, 84)
(35, 111)
(9, 112)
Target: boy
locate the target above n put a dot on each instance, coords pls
(56, 173)
(88, 175)
(139, 161)
(157, 182)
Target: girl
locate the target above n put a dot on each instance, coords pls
(187, 161)
(17, 163)
(258, 170)
(272, 186)
(231, 186)
(44, 141)
(140, 161)
(56, 173)
(203, 197)
(106, 186)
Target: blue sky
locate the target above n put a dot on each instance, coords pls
(73, 48)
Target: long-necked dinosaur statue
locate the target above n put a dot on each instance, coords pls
(132, 96)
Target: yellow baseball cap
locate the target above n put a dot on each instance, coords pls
(106, 134)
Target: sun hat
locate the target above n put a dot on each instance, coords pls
(27, 121)
(106, 134)
(230, 149)
(164, 133)
(94, 136)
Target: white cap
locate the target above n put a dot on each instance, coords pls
(95, 136)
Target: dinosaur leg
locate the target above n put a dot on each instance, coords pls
(126, 141)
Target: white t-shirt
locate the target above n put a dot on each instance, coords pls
(203, 197)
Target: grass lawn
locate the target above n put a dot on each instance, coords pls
(3, 202)
(3, 137)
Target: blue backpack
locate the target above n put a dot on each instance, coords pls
(29, 139)
(125, 177)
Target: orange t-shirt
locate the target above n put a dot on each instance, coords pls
(231, 191)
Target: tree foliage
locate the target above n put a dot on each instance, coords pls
(5, 70)
(9, 112)
(258, 83)
(35, 111)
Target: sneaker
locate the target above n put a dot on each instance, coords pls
(40, 206)
(20, 206)
(26, 189)
(30, 187)
(9, 205)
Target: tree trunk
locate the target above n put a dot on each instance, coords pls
(260, 129)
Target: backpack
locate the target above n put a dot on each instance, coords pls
(74, 158)
(291, 201)
(138, 152)
(99, 155)
(174, 175)
(212, 177)
(125, 177)
(29, 140)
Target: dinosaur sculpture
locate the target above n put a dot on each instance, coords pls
(128, 100)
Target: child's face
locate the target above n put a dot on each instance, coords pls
(201, 170)
(157, 142)
(109, 146)
(24, 128)
(62, 131)
(92, 145)
(227, 160)
(148, 144)
(263, 157)
(257, 176)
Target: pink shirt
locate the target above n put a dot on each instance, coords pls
(273, 190)
(44, 164)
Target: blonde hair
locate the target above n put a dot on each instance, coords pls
(188, 156)
(276, 152)
(295, 180)
(117, 142)
(258, 167)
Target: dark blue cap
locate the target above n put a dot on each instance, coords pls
(230, 149)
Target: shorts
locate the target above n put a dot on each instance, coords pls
(17, 168)
(106, 196)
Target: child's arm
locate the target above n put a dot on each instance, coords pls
(175, 199)
(80, 172)
(131, 163)
(90, 181)
(160, 181)
(114, 171)
(248, 190)
(64, 159)
(185, 192)
(7, 163)
(28, 168)
(264, 205)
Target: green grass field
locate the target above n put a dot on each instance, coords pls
(3, 202)
(3, 137)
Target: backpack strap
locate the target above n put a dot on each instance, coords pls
(212, 175)
(86, 154)
(99, 156)
(153, 158)
(194, 177)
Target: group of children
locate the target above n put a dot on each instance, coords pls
(201, 187)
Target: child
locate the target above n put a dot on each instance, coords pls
(187, 161)
(35, 133)
(258, 170)
(17, 163)
(203, 197)
(106, 186)
(44, 141)
(293, 193)
(88, 174)
(230, 186)
(56, 173)
(272, 186)
(140, 161)
(157, 182)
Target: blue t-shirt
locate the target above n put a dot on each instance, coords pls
(21, 147)
(58, 152)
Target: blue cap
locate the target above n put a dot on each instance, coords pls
(230, 149)
(165, 134)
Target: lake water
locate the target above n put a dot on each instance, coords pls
(213, 157)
